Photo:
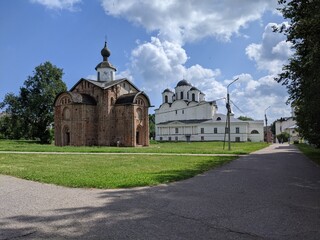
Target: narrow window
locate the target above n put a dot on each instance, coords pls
(202, 130)
(237, 130)
(215, 130)
(193, 97)
(166, 99)
(181, 95)
(177, 130)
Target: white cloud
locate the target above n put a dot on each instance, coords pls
(253, 96)
(125, 74)
(59, 4)
(272, 53)
(92, 77)
(187, 21)
(160, 64)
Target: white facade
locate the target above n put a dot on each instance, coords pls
(184, 115)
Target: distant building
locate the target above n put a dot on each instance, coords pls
(184, 115)
(102, 112)
(288, 125)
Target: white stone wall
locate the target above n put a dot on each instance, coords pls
(205, 131)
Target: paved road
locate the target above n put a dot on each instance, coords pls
(270, 194)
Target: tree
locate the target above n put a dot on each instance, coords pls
(31, 111)
(283, 137)
(245, 118)
(302, 74)
(152, 131)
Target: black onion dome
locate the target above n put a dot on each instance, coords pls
(105, 52)
(183, 83)
(167, 90)
(194, 88)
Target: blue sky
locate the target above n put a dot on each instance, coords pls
(155, 44)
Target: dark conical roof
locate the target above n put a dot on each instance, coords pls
(183, 82)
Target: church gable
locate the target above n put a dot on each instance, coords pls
(83, 85)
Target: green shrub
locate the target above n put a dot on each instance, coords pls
(283, 137)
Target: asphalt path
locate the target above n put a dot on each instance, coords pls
(271, 194)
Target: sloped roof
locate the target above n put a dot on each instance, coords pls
(105, 84)
(130, 98)
(77, 98)
(82, 98)
(126, 99)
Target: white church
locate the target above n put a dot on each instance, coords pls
(184, 115)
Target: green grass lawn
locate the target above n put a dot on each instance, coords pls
(116, 170)
(106, 171)
(311, 152)
(155, 147)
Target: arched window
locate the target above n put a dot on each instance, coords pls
(140, 101)
(254, 132)
(139, 114)
(166, 99)
(218, 118)
(181, 95)
(193, 97)
(66, 114)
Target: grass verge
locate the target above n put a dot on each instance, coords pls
(311, 152)
(106, 171)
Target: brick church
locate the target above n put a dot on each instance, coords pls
(102, 112)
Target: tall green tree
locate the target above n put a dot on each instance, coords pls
(31, 111)
(302, 74)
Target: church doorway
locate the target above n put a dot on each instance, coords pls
(138, 142)
(66, 136)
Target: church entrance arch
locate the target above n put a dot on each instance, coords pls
(139, 136)
(66, 136)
